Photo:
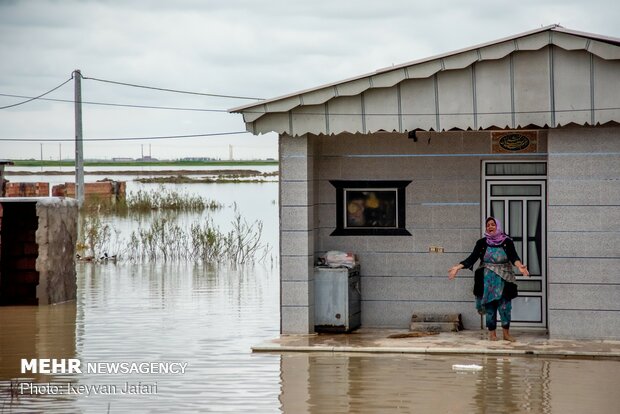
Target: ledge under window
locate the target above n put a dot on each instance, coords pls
(370, 208)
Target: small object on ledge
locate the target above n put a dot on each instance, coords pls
(335, 258)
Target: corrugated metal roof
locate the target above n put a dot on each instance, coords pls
(541, 77)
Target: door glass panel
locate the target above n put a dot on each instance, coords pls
(515, 211)
(515, 224)
(515, 190)
(519, 249)
(534, 236)
(497, 210)
(527, 309)
(529, 285)
(516, 168)
(533, 258)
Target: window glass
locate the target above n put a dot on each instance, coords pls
(371, 208)
(515, 190)
(516, 168)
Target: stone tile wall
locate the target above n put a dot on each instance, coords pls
(399, 275)
(584, 232)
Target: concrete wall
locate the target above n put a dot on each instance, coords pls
(399, 275)
(297, 233)
(56, 236)
(584, 233)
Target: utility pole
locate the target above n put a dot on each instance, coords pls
(41, 156)
(79, 152)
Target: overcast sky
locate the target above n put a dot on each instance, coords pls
(244, 48)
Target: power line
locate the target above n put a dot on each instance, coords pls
(133, 85)
(321, 113)
(36, 97)
(124, 138)
(172, 108)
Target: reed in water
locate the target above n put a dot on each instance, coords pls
(160, 237)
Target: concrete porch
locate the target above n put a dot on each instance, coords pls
(529, 343)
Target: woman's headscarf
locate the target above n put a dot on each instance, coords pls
(498, 237)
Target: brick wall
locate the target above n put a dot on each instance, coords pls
(27, 189)
(103, 190)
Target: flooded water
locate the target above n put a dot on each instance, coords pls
(93, 174)
(427, 384)
(204, 317)
(208, 318)
(254, 201)
(200, 322)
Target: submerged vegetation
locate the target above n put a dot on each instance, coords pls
(168, 200)
(165, 240)
(221, 178)
(160, 237)
(143, 202)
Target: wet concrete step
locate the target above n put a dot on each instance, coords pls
(436, 322)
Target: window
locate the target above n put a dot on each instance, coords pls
(375, 208)
(516, 168)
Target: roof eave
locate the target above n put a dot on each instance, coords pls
(241, 108)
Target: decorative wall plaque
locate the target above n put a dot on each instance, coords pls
(514, 141)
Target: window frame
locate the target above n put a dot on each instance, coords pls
(342, 186)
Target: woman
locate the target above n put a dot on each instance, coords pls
(496, 252)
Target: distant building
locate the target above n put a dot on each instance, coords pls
(122, 159)
(197, 159)
(147, 158)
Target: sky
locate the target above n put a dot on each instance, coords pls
(240, 48)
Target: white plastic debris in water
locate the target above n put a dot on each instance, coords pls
(472, 367)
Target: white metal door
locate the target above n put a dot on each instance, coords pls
(520, 205)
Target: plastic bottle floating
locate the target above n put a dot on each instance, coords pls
(472, 367)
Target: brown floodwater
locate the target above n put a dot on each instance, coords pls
(209, 317)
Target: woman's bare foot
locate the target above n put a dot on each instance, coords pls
(507, 336)
(492, 336)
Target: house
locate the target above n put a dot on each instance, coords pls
(524, 128)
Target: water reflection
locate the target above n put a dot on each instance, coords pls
(500, 390)
(348, 383)
(207, 317)
(34, 332)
